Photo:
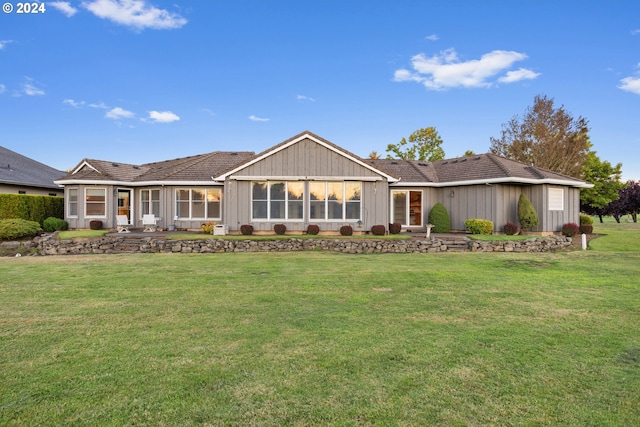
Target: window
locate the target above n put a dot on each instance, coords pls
(95, 202)
(406, 208)
(150, 200)
(198, 203)
(334, 200)
(72, 202)
(277, 200)
(556, 199)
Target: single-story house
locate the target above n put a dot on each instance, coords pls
(309, 180)
(22, 175)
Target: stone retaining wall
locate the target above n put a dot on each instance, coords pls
(51, 245)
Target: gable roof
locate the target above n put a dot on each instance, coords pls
(16, 169)
(197, 169)
(478, 169)
(296, 139)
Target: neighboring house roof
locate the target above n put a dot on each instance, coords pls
(194, 169)
(478, 169)
(16, 169)
(215, 167)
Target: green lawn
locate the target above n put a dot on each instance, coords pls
(308, 339)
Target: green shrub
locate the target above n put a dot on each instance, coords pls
(313, 229)
(511, 229)
(346, 230)
(246, 229)
(378, 230)
(207, 227)
(280, 229)
(395, 228)
(527, 214)
(52, 224)
(570, 229)
(16, 228)
(586, 229)
(586, 219)
(479, 226)
(31, 207)
(439, 217)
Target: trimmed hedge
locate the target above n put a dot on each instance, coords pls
(395, 228)
(479, 226)
(439, 217)
(511, 229)
(378, 230)
(246, 229)
(280, 229)
(346, 230)
(313, 229)
(31, 207)
(570, 229)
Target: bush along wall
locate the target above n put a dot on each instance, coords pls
(31, 207)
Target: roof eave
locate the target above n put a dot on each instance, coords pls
(509, 180)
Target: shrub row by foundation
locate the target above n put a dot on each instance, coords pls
(31, 207)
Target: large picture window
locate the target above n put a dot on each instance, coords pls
(277, 200)
(95, 202)
(334, 200)
(198, 203)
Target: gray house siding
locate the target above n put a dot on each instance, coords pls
(305, 161)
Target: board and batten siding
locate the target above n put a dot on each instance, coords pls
(304, 161)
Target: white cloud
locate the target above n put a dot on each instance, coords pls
(72, 103)
(4, 43)
(433, 37)
(630, 84)
(305, 98)
(29, 88)
(118, 113)
(516, 76)
(101, 106)
(445, 70)
(163, 116)
(64, 7)
(3, 88)
(257, 119)
(135, 13)
(635, 32)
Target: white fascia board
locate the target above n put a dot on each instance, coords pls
(295, 141)
(83, 164)
(140, 183)
(511, 180)
(306, 178)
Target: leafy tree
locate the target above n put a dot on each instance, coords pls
(547, 137)
(374, 155)
(527, 214)
(469, 153)
(423, 144)
(606, 183)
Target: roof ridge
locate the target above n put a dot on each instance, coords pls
(494, 159)
(426, 178)
(199, 158)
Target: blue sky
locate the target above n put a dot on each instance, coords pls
(146, 80)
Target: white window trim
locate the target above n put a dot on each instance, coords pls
(85, 202)
(344, 204)
(150, 201)
(206, 208)
(69, 203)
(286, 202)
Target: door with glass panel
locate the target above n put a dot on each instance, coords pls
(124, 203)
(406, 208)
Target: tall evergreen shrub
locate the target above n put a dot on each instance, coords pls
(439, 217)
(527, 214)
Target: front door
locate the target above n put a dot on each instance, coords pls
(124, 203)
(406, 207)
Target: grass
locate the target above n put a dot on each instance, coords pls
(76, 234)
(323, 339)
